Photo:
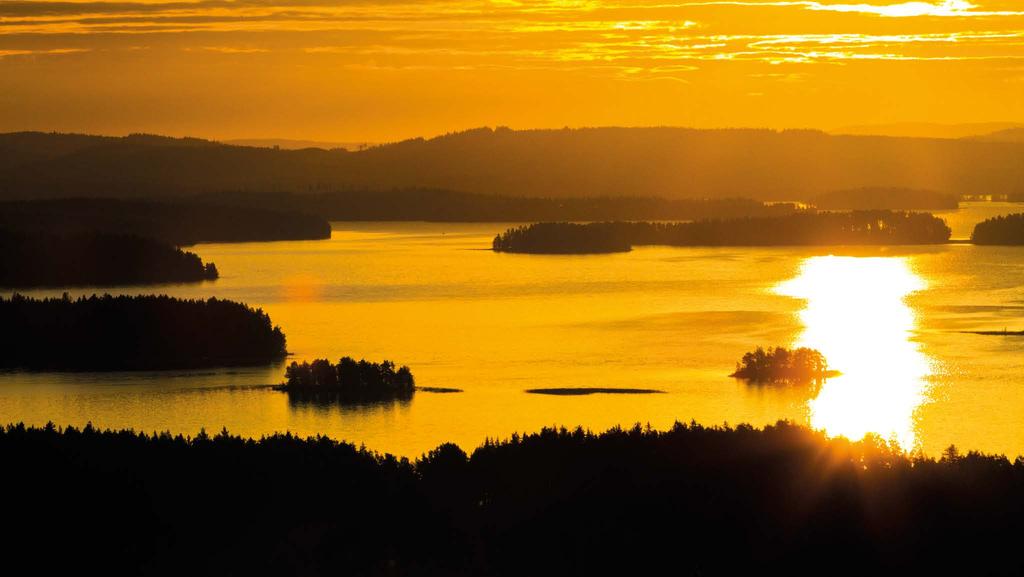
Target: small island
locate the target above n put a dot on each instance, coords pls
(146, 332)
(1002, 333)
(1000, 230)
(584, 391)
(350, 380)
(807, 228)
(95, 259)
(565, 238)
(781, 365)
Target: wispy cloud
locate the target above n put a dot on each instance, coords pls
(632, 39)
(945, 8)
(49, 52)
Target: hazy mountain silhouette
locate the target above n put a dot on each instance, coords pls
(928, 129)
(667, 162)
(1008, 135)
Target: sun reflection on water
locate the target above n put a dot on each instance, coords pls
(856, 315)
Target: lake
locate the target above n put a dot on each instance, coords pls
(434, 297)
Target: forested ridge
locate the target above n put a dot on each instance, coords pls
(1000, 230)
(145, 332)
(443, 205)
(586, 162)
(97, 259)
(171, 221)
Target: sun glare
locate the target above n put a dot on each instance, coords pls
(856, 316)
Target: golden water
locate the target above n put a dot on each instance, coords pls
(675, 319)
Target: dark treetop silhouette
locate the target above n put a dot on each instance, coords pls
(1005, 230)
(783, 365)
(134, 333)
(688, 501)
(40, 259)
(805, 228)
(350, 380)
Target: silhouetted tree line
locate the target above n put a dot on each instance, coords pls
(350, 379)
(782, 365)
(438, 205)
(41, 259)
(886, 198)
(798, 229)
(691, 500)
(134, 333)
(1005, 230)
(178, 223)
(564, 238)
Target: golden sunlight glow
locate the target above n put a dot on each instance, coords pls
(947, 8)
(856, 316)
(380, 70)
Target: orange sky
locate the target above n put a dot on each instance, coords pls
(350, 70)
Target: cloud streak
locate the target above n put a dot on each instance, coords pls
(386, 49)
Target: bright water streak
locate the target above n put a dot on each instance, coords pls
(856, 314)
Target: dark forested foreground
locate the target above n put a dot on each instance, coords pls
(1004, 230)
(689, 501)
(41, 260)
(134, 333)
(880, 198)
(799, 229)
(439, 205)
(349, 380)
(179, 223)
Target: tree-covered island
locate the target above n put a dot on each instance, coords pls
(874, 227)
(349, 380)
(145, 332)
(779, 364)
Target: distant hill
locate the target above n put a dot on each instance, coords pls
(1008, 135)
(441, 205)
(587, 162)
(928, 129)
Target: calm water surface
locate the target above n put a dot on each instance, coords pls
(675, 319)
